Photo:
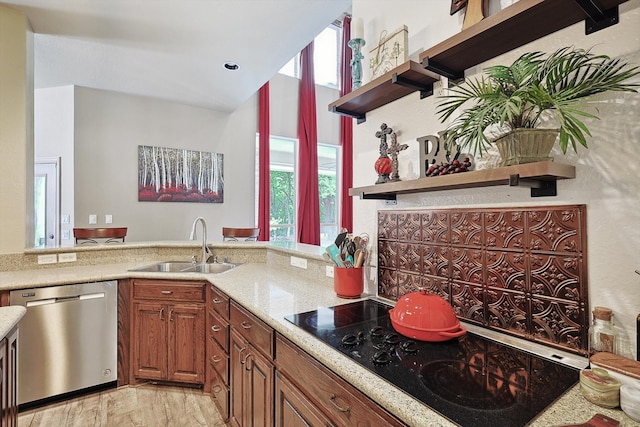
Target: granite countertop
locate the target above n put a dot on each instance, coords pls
(9, 317)
(272, 292)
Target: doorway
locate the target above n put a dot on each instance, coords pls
(47, 203)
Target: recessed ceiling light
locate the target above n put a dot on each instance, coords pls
(231, 66)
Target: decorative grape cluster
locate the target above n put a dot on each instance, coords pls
(455, 166)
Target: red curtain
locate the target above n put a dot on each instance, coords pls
(308, 198)
(346, 131)
(264, 194)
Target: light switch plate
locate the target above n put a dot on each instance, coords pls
(47, 259)
(329, 271)
(66, 218)
(299, 262)
(108, 219)
(68, 257)
(93, 219)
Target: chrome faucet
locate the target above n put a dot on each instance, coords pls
(206, 253)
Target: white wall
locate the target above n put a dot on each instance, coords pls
(108, 127)
(54, 135)
(607, 174)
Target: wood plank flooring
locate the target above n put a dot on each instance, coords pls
(139, 406)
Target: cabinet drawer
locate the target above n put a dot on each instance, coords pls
(254, 330)
(220, 395)
(169, 290)
(219, 361)
(218, 329)
(219, 301)
(340, 401)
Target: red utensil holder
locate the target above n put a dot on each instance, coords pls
(348, 282)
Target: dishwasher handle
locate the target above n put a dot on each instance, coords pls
(35, 303)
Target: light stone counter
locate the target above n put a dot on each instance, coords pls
(274, 290)
(9, 317)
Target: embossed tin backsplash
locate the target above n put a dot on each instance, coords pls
(521, 271)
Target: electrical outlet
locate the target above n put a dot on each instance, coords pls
(299, 262)
(66, 235)
(108, 219)
(93, 219)
(47, 259)
(68, 257)
(329, 271)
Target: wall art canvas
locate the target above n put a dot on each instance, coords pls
(179, 175)
(390, 52)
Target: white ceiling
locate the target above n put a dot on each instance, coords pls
(172, 49)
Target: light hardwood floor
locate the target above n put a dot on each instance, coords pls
(140, 406)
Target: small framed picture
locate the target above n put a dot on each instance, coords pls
(390, 52)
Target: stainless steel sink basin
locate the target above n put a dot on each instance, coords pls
(211, 268)
(185, 267)
(165, 267)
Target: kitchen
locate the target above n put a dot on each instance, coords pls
(608, 187)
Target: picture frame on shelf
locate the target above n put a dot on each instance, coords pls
(390, 52)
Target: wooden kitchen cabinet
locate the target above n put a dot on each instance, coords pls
(293, 409)
(322, 395)
(251, 376)
(218, 349)
(8, 378)
(168, 321)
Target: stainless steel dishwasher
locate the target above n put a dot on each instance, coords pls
(68, 338)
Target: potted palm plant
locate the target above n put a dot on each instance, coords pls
(513, 100)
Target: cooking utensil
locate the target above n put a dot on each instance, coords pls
(334, 253)
(425, 317)
(340, 238)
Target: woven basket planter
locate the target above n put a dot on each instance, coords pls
(526, 146)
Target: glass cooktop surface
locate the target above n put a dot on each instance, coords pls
(471, 380)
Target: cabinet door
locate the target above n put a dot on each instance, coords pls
(149, 341)
(11, 410)
(293, 409)
(186, 343)
(258, 390)
(238, 349)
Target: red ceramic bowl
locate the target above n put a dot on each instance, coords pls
(425, 317)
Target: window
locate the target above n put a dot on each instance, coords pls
(325, 58)
(284, 159)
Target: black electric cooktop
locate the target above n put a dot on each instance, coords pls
(471, 380)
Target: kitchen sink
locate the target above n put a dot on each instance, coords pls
(211, 268)
(185, 267)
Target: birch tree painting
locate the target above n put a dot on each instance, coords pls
(177, 175)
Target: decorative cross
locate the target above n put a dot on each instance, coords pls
(382, 134)
(393, 150)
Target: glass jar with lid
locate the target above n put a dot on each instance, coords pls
(602, 335)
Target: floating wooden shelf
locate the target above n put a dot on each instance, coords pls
(541, 176)
(397, 83)
(515, 26)
(510, 28)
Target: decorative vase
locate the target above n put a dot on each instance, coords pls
(526, 146)
(383, 167)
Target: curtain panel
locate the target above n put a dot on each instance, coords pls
(264, 177)
(308, 218)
